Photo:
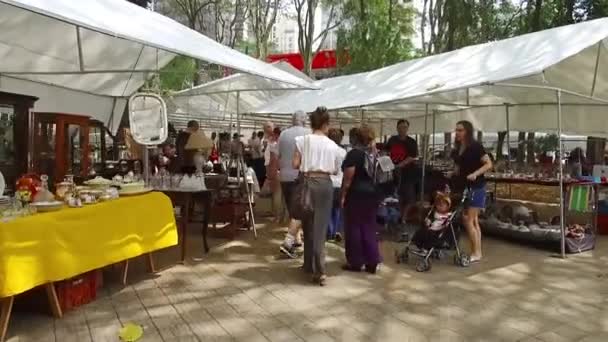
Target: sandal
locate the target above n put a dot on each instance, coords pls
(474, 260)
(319, 279)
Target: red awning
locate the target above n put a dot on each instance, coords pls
(325, 59)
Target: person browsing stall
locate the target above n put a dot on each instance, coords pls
(288, 176)
(403, 151)
(317, 157)
(184, 159)
(360, 199)
(271, 162)
(333, 233)
(472, 162)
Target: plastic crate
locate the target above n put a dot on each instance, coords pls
(78, 291)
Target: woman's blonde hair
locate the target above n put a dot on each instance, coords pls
(366, 135)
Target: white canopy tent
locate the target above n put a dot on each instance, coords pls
(231, 97)
(514, 71)
(550, 80)
(89, 56)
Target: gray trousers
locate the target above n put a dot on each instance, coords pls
(315, 226)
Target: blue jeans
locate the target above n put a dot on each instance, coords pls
(335, 221)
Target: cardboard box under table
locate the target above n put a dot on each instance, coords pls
(49, 247)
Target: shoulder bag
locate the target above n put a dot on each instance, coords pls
(302, 200)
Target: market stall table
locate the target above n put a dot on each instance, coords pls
(48, 247)
(528, 180)
(185, 200)
(539, 236)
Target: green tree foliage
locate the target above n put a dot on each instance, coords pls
(447, 25)
(547, 143)
(593, 9)
(178, 74)
(376, 33)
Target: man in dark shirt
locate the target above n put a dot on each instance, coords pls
(403, 150)
(184, 159)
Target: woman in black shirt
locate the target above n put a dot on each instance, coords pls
(472, 162)
(360, 199)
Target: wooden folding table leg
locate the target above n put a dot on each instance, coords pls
(184, 223)
(53, 300)
(206, 218)
(6, 305)
(125, 271)
(151, 267)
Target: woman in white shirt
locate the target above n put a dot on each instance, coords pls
(317, 157)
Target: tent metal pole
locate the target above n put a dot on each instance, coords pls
(434, 127)
(562, 214)
(424, 151)
(80, 55)
(244, 90)
(238, 114)
(508, 136)
(597, 64)
(81, 72)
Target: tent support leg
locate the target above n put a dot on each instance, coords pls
(508, 137)
(562, 215)
(238, 119)
(80, 55)
(244, 169)
(433, 136)
(424, 151)
(597, 65)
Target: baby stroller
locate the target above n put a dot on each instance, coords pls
(445, 239)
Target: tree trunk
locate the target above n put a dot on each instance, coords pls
(500, 145)
(521, 148)
(536, 24)
(595, 150)
(569, 15)
(196, 77)
(530, 147)
(447, 140)
(423, 20)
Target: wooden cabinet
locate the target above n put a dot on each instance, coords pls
(98, 150)
(61, 145)
(14, 122)
(54, 144)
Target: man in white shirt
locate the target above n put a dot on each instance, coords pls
(288, 176)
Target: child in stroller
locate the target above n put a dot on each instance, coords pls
(440, 232)
(428, 237)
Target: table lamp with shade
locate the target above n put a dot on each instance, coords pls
(200, 146)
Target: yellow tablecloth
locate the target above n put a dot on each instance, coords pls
(58, 245)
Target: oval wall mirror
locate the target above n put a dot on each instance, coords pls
(148, 119)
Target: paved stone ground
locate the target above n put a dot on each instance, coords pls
(242, 292)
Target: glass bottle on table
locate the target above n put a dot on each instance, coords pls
(165, 178)
(44, 194)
